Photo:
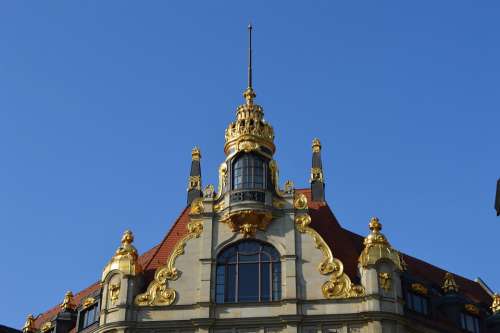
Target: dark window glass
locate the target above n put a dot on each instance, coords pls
(417, 303)
(248, 271)
(88, 316)
(469, 323)
(248, 172)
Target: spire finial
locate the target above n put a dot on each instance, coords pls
(249, 94)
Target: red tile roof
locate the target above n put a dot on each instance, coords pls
(345, 246)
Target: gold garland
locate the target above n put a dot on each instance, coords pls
(339, 285)
(158, 292)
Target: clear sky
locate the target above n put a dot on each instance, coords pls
(102, 101)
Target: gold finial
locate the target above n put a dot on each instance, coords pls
(196, 154)
(67, 303)
(127, 238)
(29, 325)
(449, 284)
(377, 247)
(374, 225)
(316, 145)
(495, 306)
(125, 258)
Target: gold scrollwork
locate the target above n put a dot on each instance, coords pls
(158, 293)
(339, 285)
(222, 180)
(273, 166)
(278, 203)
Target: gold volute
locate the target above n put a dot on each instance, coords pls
(125, 258)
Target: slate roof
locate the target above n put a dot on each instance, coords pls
(345, 246)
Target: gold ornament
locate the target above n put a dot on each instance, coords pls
(339, 284)
(495, 306)
(29, 324)
(87, 302)
(114, 292)
(250, 131)
(419, 288)
(125, 258)
(377, 248)
(222, 180)
(248, 221)
(47, 326)
(449, 284)
(472, 309)
(316, 146)
(158, 293)
(194, 183)
(385, 280)
(197, 207)
(67, 304)
(300, 201)
(316, 175)
(195, 154)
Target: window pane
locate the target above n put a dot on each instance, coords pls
(248, 282)
(249, 258)
(230, 290)
(276, 281)
(265, 282)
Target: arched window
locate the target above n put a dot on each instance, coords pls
(248, 271)
(248, 172)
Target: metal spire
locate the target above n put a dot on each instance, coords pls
(249, 94)
(250, 56)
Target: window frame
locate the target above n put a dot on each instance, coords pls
(228, 269)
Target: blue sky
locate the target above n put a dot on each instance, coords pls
(101, 103)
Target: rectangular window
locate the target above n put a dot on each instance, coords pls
(417, 303)
(88, 316)
(469, 323)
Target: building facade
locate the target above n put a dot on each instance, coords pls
(255, 256)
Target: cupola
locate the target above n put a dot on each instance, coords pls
(125, 258)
